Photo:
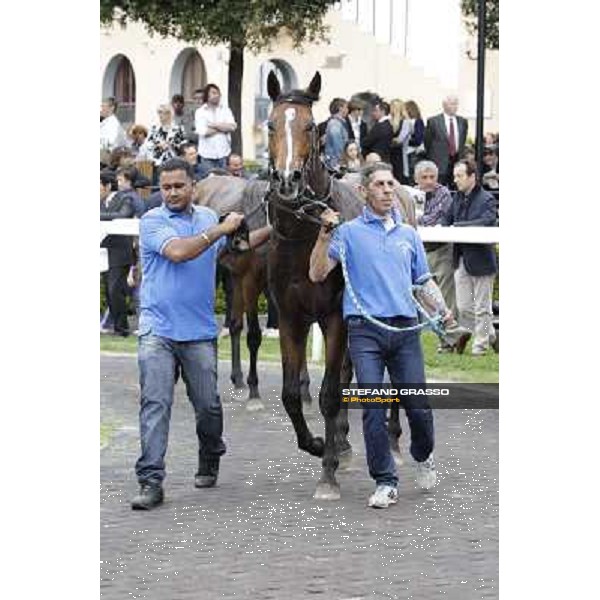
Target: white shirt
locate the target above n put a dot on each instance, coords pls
(112, 134)
(217, 145)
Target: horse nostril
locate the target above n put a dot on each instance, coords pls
(276, 176)
(297, 175)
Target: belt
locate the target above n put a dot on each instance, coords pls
(398, 321)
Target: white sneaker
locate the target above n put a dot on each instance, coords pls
(271, 333)
(383, 496)
(426, 475)
(224, 332)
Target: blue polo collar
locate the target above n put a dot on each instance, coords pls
(370, 217)
(172, 213)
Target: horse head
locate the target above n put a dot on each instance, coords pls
(293, 138)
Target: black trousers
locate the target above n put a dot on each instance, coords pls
(447, 178)
(115, 284)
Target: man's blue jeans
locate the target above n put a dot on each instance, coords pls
(159, 360)
(373, 349)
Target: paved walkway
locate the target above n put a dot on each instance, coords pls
(259, 535)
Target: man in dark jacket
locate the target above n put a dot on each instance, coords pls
(379, 138)
(475, 264)
(116, 205)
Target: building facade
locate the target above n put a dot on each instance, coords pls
(408, 49)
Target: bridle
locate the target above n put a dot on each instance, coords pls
(306, 199)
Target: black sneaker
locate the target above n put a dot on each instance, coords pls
(208, 472)
(149, 496)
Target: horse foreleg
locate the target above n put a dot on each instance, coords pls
(292, 350)
(236, 324)
(253, 339)
(305, 382)
(344, 448)
(329, 403)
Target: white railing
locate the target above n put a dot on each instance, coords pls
(462, 235)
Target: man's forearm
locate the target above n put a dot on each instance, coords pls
(188, 248)
(224, 127)
(320, 263)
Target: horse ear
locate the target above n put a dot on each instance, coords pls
(273, 87)
(314, 88)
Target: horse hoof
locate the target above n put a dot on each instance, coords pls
(345, 459)
(254, 404)
(238, 383)
(397, 458)
(327, 491)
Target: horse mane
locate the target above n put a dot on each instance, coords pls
(297, 97)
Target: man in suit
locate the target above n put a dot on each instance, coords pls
(475, 264)
(445, 138)
(116, 205)
(379, 138)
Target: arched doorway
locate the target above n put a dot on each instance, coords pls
(262, 103)
(119, 82)
(187, 75)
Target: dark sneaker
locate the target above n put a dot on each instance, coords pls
(149, 496)
(208, 472)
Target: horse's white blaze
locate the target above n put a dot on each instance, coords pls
(290, 115)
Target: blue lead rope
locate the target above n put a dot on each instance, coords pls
(434, 323)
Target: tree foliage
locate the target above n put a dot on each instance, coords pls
(239, 24)
(492, 14)
(251, 24)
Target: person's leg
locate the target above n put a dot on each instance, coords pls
(366, 353)
(117, 298)
(406, 367)
(199, 370)
(440, 263)
(156, 363)
(484, 329)
(464, 297)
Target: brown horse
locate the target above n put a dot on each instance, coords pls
(300, 188)
(249, 270)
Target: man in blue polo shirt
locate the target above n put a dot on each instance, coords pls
(179, 247)
(384, 258)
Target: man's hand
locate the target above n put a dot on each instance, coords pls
(231, 222)
(329, 220)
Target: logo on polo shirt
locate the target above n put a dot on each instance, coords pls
(404, 247)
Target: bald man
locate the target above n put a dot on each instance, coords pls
(445, 138)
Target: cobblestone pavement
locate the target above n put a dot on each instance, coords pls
(260, 534)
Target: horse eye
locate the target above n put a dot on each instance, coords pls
(271, 126)
(310, 126)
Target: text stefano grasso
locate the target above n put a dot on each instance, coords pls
(408, 391)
